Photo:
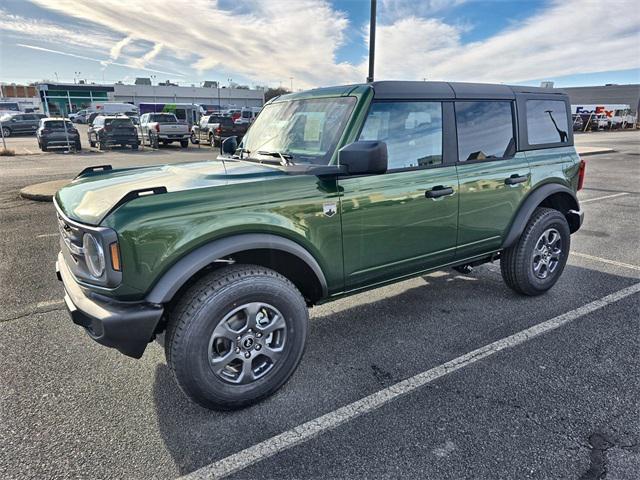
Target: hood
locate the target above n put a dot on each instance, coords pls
(90, 198)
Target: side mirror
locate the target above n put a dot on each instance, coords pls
(364, 157)
(229, 145)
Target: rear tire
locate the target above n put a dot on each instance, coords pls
(236, 336)
(535, 262)
(43, 147)
(78, 146)
(6, 131)
(194, 139)
(134, 146)
(184, 143)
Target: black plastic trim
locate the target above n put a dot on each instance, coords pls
(533, 200)
(132, 195)
(94, 169)
(198, 259)
(127, 327)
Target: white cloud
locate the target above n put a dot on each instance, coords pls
(267, 41)
(116, 49)
(569, 37)
(92, 59)
(270, 41)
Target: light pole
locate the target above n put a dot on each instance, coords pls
(372, 40)
(291, 80)
(153, 79)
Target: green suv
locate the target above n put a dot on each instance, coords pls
(331, 192)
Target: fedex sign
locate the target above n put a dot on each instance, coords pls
(606, 110)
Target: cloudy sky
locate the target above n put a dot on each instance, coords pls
(320, 42)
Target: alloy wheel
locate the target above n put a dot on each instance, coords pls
(547, 253)
(247, 343)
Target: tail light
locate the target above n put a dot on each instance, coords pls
(158, 127)
(581, 170)
(218, 131)
(46, 130)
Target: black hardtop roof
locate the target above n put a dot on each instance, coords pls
(390, 89)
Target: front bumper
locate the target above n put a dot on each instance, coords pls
(125, 326)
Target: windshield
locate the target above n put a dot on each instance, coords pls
(307, 130)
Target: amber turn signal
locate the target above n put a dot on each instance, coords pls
(115, 256)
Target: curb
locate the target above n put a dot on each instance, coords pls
(43, 192)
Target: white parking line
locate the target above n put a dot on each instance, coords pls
(604, 198)
(606, 260)
(331, 420)
(45, 235)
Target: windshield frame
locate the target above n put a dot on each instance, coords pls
(331, 153)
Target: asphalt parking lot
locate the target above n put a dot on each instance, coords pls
(561, 400)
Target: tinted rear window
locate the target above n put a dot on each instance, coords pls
(57, 125)
(546, 122)
(118, 122)
(485, 130)
(163, 118)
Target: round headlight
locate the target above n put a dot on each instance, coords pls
(93, 255)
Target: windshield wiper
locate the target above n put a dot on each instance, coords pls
(285, 158)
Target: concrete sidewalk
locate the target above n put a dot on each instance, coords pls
(43, 192)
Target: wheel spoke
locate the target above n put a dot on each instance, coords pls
(251, 310)
(273, 354)
(223, 330)
(246, 374)
(219, 363)
(276, 323)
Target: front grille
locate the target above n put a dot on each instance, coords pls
(71, 236)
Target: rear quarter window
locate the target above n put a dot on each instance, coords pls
(547, 122)
(485, 130)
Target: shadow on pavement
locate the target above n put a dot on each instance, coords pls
(353, 351)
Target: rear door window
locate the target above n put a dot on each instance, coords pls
(547, 122)
(485, 130)
(411, 130)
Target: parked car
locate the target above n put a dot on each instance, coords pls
(20, 123)
(212, 129)
(578, 123)
(247, 116)
(107, 131)
(57, 133)
(80, 116)
(163, 128)
(331, 192)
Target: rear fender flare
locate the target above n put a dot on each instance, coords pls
(533, 201)
(185, 268)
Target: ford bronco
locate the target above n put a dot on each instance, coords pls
(331, 192)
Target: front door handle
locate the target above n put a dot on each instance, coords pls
(515, 179)
(439, 191)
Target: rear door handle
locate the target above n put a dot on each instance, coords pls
(439, 191)
(515, 179)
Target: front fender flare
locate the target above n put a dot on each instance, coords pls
(533, 200)
(193, 262)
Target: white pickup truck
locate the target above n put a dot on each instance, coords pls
(156, 128)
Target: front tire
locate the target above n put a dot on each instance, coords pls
(236, 336)
(6, 131)
(184, 143)
(534, 264)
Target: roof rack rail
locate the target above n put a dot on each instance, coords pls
(93, 169)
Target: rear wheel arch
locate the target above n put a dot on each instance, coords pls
(272, 251)
(555, 196)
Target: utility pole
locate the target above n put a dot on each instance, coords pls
(372, 40)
